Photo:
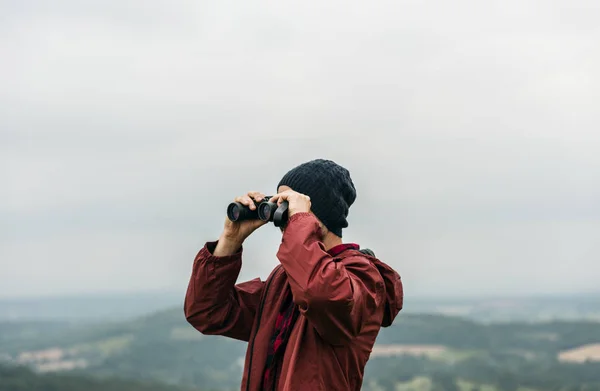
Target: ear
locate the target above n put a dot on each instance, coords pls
(323, 229)
(327, 234)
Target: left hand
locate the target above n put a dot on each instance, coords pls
(297, 202)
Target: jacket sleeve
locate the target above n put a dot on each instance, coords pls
(337, 298)
(214, 304)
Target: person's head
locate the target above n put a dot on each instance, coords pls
(330, 189)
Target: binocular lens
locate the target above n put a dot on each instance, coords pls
(238, 212)
(266, 210)
(235, 212)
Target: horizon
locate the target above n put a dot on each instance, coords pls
(174, 294)
(113, 307)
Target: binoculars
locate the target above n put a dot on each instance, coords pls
(265, 210)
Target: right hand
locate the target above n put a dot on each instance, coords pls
(237, 231)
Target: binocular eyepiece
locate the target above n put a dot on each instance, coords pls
(265, 211)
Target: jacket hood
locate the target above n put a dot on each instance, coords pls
(393, 288)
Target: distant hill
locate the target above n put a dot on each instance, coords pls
(23, 379)
(88, 307)
(163, 347)
(119, 307)
(511, 309)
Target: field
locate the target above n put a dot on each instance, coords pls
(581, 354)
(421, 351)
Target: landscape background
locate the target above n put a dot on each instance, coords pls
(144, 343)
(470, 129)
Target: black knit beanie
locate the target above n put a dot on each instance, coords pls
(329, 187)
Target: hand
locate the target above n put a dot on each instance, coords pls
(297, 202)
(237, 231)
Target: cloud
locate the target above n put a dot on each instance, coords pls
(470, 130)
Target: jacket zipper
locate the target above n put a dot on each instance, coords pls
(259, 314)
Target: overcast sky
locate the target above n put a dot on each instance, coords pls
(471, 130)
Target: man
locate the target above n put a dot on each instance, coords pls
(311, 325)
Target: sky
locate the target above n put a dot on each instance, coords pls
(470, 128)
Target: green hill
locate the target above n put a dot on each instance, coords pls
(23, 379)
(162, 346)
(417, 351)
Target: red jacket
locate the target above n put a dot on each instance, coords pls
(343, 301)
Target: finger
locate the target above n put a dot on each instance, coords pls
(256, 195)
(279, 198)
(246, 200)
(285, 196)
(274, 198)
(243, 199)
